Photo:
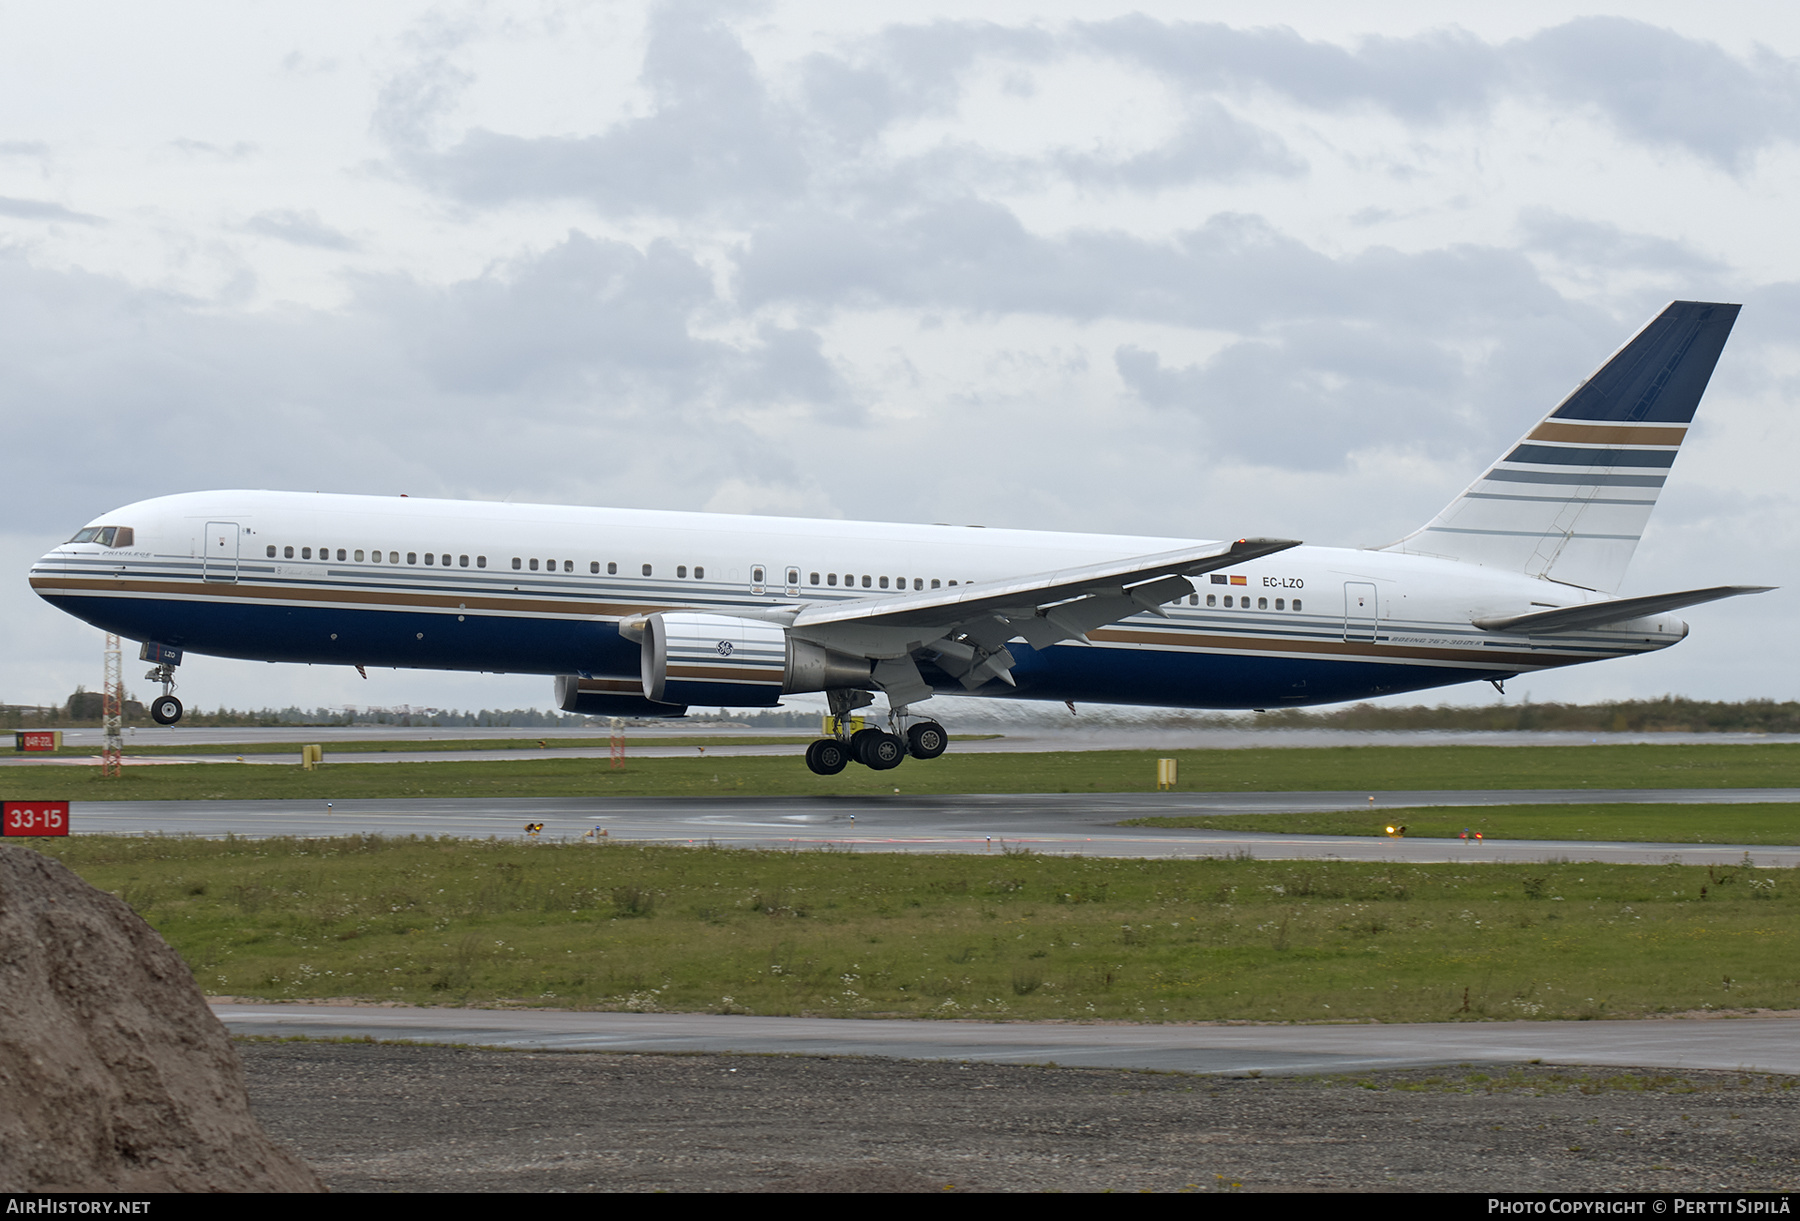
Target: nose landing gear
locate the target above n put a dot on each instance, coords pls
(165, 709)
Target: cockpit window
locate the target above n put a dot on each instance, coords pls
(106, 536)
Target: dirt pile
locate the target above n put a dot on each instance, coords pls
(114, 1075)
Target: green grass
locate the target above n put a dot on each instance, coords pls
(1014, 936)
(1752, 823)
(1372, 768)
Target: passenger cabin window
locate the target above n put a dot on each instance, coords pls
(429, 558)
(884, 582)
(681, 571)
(375, 556)
(534, 565)
(594, 566)
(866, 580)
(481, 561)
(756, 575)
(515, 562)
(831, 578)
(699, 573)
(568, 565)
(1280, 604)
(612, 569)
(462, 561)
(1212, 599)
(1262, 604)
(271, 550)
(393, 557)
(340, 553)
(359, 557)
(815, 577)
(1296, 604)
(646, 570)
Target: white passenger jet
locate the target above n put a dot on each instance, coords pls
(642, 613)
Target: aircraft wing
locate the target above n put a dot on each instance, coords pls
(964, 629)
(1615, 610)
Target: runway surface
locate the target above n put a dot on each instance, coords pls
(1769, 1044)
(1057, 823)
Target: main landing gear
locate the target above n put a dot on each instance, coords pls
(876, 749)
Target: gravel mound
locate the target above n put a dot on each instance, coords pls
(114, 1075)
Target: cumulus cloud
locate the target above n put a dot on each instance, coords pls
(714, 139)
(43, 209)
(1652, 84)
(299, 228)
(550, 376)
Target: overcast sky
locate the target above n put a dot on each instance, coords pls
(1302, 272)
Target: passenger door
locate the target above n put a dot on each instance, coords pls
(220, 562)
(1362, 617)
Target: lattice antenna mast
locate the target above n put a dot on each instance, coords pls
(112, 711)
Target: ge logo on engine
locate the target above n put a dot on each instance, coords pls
(724, 648)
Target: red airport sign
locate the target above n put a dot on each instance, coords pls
(37, 739)
(34, 818)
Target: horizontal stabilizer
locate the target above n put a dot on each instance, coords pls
(1617, 610)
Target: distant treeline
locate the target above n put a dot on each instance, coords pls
(1670, 714)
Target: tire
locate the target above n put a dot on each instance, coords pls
(885, 752)
(926, 740)
(860, 742)
(827, 757)
(165, 710)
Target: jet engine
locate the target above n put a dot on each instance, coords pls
(722, 660)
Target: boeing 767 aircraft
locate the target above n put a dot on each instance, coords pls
(640, 613)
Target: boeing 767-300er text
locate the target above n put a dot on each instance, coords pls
(643, 613)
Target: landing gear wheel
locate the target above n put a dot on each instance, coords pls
(883, 751)
(926, 740)
(827, 757)
(165, 710)
(859, 743)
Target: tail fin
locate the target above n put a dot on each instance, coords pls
(1570, 500)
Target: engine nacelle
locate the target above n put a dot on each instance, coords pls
(722, 660)
(609, 697)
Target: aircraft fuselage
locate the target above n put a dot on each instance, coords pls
(542, 589)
